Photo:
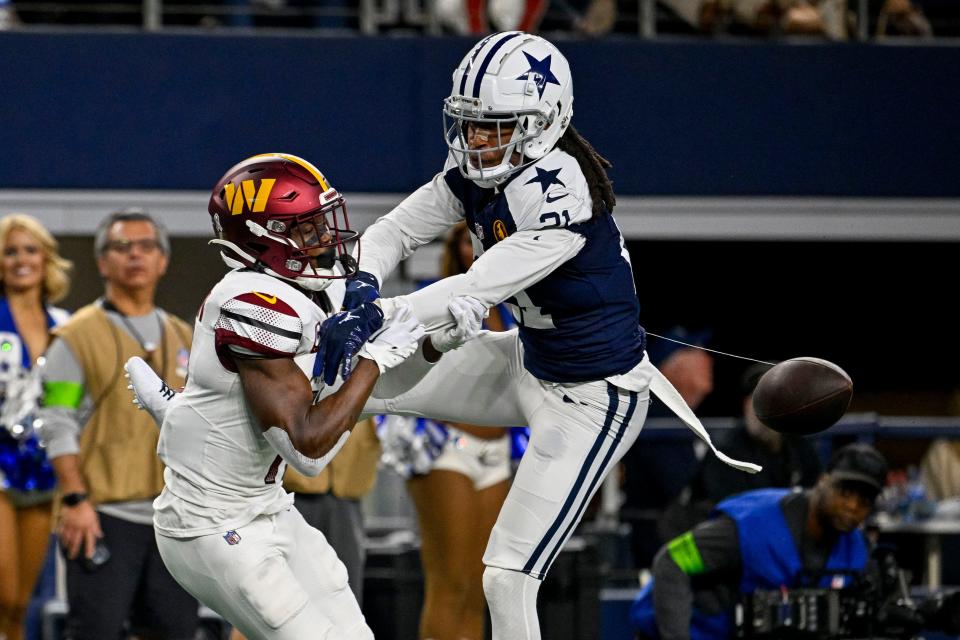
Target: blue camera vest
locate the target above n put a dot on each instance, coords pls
(769, 559)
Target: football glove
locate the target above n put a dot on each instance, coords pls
(341, 336)
(469, 314)
(362, 287)
(397, 341)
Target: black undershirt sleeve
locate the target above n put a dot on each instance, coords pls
(708, 558)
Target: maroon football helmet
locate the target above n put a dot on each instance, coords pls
(277, 213)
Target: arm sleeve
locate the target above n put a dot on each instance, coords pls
(510, 266)
(422, 216)
(711, 547)
(63, 398)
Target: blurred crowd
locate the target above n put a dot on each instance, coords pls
(829, 19)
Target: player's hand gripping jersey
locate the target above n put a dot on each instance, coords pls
(221, 472)
(565, 275)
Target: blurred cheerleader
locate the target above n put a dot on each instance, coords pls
(32, 275)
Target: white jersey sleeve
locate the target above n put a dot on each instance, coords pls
(507, 268)
(422, 216)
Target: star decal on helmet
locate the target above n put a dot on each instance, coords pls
(546, 178)
(542, 74)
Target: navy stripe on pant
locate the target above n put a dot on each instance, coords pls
(614, 403)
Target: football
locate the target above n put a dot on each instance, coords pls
(802, 396)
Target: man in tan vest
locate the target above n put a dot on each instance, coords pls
(104, 451)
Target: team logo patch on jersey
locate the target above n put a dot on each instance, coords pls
(499, 230)
(232, 537)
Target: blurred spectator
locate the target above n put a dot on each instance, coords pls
(8, 16)
(834, 19)
(32, 275)
(789, 17)
(940, 470)
(787, 461)
(104, 450)
(656, 471)
(480, 16)
(902, 18)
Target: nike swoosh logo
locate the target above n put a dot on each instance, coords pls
(549, 199)
(268, 299)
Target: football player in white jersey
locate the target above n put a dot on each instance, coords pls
(537, 199)
(226, 529)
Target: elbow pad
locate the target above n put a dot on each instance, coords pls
(310, 467)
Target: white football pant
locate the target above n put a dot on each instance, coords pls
(578, 433)
(280, 580)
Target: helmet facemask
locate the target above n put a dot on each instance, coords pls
(465, 121)
(321, 243)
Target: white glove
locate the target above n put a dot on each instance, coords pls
(469, 314)
(397, 340)
(150, 393)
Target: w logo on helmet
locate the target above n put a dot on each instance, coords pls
(255, 199)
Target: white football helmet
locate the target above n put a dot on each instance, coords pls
(510, 79)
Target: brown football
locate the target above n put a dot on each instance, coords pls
(802, 396)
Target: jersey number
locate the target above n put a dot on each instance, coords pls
(554, 219)
(528, 314)
(271, 477)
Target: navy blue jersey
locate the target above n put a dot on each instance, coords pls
(581, 321)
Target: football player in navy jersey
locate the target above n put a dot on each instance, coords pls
(537, 200)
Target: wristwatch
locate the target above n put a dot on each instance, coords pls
(73, 499)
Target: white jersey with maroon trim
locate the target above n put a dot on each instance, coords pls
(221, 473)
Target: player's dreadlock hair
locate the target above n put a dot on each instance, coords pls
(594, 167)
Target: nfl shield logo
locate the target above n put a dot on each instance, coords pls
(232, 537)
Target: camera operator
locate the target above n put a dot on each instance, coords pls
(763, 539)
